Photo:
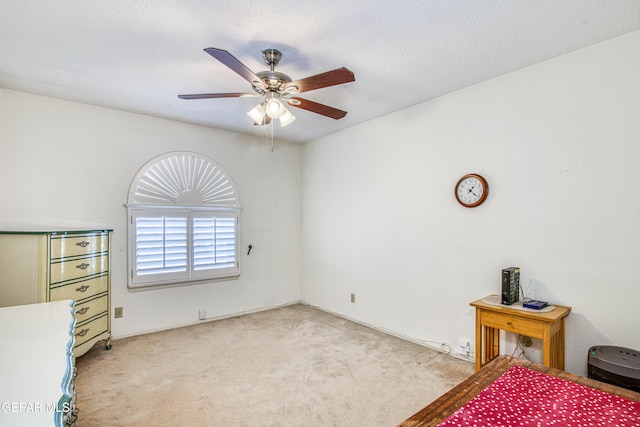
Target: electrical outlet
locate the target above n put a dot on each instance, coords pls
(202, 314)
(464, 347)
(526, 341)
(353, 298)
(118, 312)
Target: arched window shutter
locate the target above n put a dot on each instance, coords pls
(183, 179)
(183, 222)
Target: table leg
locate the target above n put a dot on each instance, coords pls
(479, 339)
(547, 346)
(493, 344)
(560, 346)
(489, 347)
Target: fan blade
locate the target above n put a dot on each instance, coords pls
(232, 62)
(314, 107)
(217, 95)
(330, 78)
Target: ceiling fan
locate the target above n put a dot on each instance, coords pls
(278, 88)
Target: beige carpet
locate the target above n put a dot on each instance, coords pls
(291, 366)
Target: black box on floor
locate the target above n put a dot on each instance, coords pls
(615, 365)
(510, 285)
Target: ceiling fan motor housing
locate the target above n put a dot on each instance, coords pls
(273, 79)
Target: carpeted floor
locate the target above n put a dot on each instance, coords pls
(291, 366)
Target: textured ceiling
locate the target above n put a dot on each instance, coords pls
(138, 55)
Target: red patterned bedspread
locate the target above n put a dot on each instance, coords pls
(523, 397)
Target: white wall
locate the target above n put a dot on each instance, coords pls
(559, 143)
(69, 165)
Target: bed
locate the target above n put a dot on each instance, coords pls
(489, 393)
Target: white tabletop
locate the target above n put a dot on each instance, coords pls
(36, 363)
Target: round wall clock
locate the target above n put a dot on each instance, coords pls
(471, 190)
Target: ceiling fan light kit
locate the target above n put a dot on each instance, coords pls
(278, 89)
(275, 109)
(257, 113)
(287, 118)
(262, 113)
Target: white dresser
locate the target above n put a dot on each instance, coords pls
(42, 266)
(37, 367)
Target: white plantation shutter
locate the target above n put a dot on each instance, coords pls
(161, 246)
(183, 226)
(214, 242)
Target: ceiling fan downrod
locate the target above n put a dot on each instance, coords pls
(272, 57)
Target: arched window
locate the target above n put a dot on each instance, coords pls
(183, 212)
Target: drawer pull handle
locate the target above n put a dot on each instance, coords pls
(83, 244)
(82, 333)
(83, 310)
(82, 288)
(509, 323)
(83, 266)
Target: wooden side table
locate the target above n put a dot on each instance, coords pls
(545, 325)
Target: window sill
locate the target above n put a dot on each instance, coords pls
(174, 284)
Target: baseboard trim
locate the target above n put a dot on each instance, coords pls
(209, 319)
(434, 345)
(443, 347)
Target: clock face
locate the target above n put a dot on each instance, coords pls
(471, 190)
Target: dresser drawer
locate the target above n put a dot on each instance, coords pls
(72, 269)
(91, 308)
(518, 325)
(63, 246)
(90, 330)
(80, 290)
